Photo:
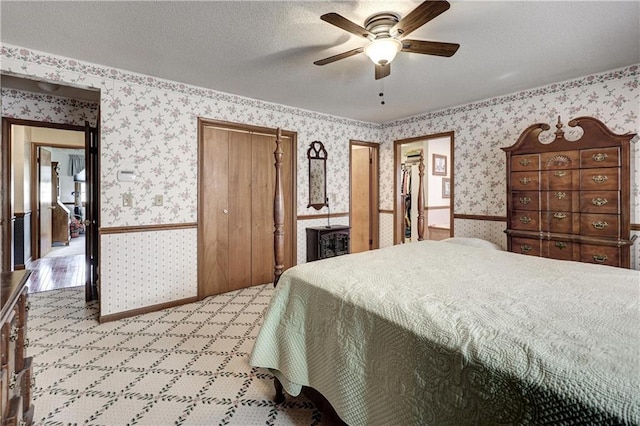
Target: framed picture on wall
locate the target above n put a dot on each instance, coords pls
(439, 165)
(446, 188)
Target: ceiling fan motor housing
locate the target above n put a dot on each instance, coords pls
(380, 24)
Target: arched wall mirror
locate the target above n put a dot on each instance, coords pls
(317, 156)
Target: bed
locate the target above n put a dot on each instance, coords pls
(436, 332)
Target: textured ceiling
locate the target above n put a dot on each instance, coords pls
(266, 49)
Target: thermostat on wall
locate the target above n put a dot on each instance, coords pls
(126, 175)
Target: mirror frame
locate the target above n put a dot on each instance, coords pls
(317, 152)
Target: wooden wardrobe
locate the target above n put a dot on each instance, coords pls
(570, 200)
(235, 206)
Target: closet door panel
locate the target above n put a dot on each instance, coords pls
(214, 261)
(360, 202)
(263, 177)
(239, 211)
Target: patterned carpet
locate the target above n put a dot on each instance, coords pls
(181, 366)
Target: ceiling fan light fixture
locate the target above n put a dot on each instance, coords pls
(382, 51)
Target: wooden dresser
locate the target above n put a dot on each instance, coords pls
(17, 370)
(323, 242)
(567, 199)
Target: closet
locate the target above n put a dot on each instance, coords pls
(409, 196)
(235, 207)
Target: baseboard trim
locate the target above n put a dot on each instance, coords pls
(146, 309)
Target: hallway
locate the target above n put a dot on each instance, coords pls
(62, 267)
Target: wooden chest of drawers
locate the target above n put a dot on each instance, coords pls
(16, 370)
(570, 200)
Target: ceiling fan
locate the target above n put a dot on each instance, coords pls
(386, 31)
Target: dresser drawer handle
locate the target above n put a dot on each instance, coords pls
(561, 245)
(525, 180)
(601, 258)
(600, 224)
(560, 195)
(599, 179)
(599, 201)
(599, 157)
(525, 219)
(525, 200)
(559, 215)
(13, 334)
(560, 173)
(524, 162)
(526, 248)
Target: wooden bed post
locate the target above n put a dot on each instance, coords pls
(421, 198)
(278, 237)
(278, 213)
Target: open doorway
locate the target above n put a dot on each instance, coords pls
(50, 205)
(438, 187)
(48, 200)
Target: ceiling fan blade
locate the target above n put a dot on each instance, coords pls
(382, 71)
(342, 22)
(342, 55)
(419, 16)
(429, 47)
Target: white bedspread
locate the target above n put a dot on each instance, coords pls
(437, 333)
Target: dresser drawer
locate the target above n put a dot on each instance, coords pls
(560, 200)
(525, 220)
(600, 157)
(560, 222)
(599, 179)
(603, 255)
(525, 200)
(567, 180)
(527, 246)
(560, 160)
(561, 250)
(523, 181)
(600, 201)
(600, 225)
(14, 414)
(521, 163)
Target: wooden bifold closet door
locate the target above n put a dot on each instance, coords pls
(236, 209)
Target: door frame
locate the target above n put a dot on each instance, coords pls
(5, 186)
(227, 125)
(397, 180)
(374, 191)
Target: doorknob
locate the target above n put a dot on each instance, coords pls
(52, 207)
(87, 222)
(225, 211)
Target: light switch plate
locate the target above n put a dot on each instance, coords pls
(127, 200)
(158, 200)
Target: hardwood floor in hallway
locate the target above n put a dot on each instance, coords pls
(50, 273)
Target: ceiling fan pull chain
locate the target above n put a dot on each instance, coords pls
(381, 94)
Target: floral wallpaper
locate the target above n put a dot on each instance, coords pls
(149, 125)
(482, 128)
(47, 108)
